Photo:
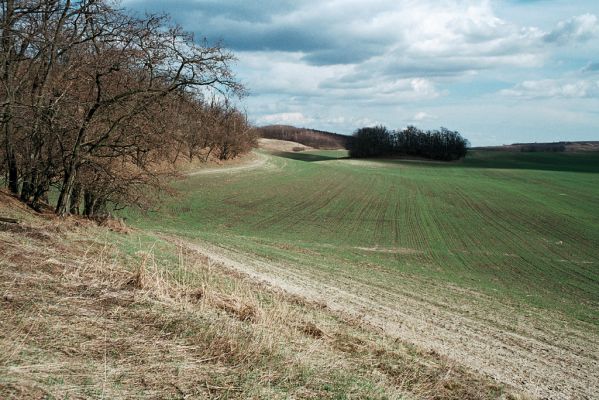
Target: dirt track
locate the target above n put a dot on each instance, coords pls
(538, 354)
(258, 162)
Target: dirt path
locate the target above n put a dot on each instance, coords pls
(258, 162)
(539, 354)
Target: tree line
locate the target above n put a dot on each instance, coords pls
(543, 147)
(308, 137)
(96, 105)
(442, 144)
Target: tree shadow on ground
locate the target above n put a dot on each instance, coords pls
(587, 162)
(309, 157)
(559, 162)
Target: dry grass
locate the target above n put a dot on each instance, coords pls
(282, 145)
(80, 319)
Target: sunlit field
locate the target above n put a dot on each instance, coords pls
(521, 227)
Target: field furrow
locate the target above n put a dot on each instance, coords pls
(493, 261)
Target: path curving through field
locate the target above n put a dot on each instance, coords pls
(259, 162)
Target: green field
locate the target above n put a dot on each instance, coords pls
(522, 227)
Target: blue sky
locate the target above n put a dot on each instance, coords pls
(497, 71)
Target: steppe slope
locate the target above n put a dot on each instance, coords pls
(91, 311)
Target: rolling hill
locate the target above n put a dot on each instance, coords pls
(311, 275)
(491, 261)
(309, 137)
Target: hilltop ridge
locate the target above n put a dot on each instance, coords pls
(562, 146)
(306, 136)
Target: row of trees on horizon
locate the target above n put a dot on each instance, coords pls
(97, 105)
(308, 137)
(378, 141)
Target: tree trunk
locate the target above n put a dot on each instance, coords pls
(89, 204)
(8, 22)
(13, 172)
(11, 159)
(40, 196)
(27, 188)
(64, 199)
(75, 199)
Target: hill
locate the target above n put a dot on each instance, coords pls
(491, 262)
(274, 145)
(308, 137)
(310, 275)
(545, 147)
(90, 311)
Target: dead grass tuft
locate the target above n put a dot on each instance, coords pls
(243, 310)
(311, 329)
(348, 343)
(114, 224)
(22, 229)
(518, 396)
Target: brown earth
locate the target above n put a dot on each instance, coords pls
(252, 161)
(536, 353)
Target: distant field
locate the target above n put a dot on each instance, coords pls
(501, 244)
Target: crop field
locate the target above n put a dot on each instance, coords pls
(493, 261)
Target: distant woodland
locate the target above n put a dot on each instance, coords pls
(308, 137)
(554, 147)
(378, 141)
(96, 105)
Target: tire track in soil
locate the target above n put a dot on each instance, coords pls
(557, 362)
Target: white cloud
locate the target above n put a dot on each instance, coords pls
(343, 64)
(580, 28)
(290, 118)
(422, 116)
(548, 88)
(284, 73)
(393, 90)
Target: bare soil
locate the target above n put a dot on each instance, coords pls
(539, 354)
(249, 163)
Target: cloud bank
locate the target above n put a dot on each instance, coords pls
(332, 64)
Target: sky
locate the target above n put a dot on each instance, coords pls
(497, 71)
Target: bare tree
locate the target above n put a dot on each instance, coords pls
(93, 100)
(135, 63)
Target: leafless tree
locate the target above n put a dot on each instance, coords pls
(94, 99)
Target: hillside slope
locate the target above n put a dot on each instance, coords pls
(101, 312)
(490, 261)
(580, 146)
(308, 137)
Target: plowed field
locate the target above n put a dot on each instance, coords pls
(493, 261)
